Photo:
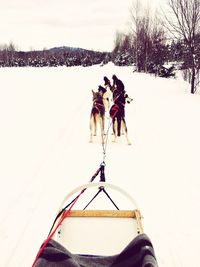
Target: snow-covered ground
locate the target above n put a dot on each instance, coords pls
(45, 153)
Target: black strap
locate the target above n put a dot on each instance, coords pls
(102, 173)
(101, 188)
(60, 213)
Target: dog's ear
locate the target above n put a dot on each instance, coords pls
(93, 92)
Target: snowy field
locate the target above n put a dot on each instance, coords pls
(45, 153)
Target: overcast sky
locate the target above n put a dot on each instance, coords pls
(38, 24)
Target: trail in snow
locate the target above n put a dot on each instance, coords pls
(44, 134)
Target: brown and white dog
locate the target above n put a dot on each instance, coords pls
(97, 115)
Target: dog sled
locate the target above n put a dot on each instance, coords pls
(97, 237)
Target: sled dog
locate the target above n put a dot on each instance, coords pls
(97, 116)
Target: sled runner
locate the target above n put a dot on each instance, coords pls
(97, 237)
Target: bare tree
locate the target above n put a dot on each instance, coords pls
(184, 22)
(118, 41)
(147, 32)
(144, 40)
(135, 13)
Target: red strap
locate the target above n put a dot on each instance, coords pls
(98, 106)
(115, 108)
(65, 214)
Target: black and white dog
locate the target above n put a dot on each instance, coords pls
(117, 113)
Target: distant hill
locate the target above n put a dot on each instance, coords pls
(69, 49)
(66, 49)
(53, 57)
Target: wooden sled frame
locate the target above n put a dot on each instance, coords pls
(135, 213)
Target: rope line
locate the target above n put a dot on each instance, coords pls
(64, 214)
(56, 228)
(101, 188)
(110, 198)
(105, 143)
(63, 210)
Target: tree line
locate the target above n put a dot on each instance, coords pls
(172, 35)
(152, 41)
(60, 56)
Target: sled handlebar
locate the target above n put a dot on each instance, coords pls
(98, 185)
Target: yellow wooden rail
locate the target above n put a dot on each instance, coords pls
(135, 214)
(105, 213)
